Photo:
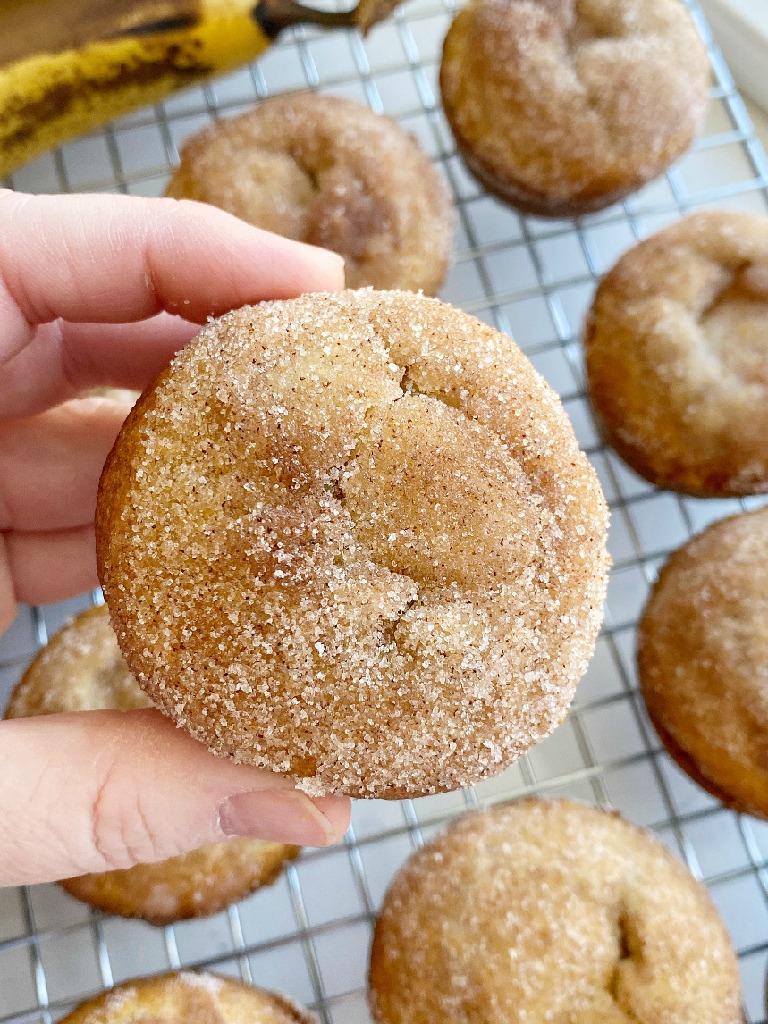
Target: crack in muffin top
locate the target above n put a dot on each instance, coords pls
(351, 538)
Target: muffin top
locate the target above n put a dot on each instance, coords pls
(188, 997)
(703, 659)
(79, 669)
(550, 911)
(676, 344)
(351, 538)
(326, 170)
(576, 101)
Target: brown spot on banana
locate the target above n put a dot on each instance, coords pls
(66, 98)
(48, 97)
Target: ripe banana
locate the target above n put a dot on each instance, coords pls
(67, 66)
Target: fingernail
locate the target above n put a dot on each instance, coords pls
(333, 261)
(279, 816)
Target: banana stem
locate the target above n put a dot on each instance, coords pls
(275, 15)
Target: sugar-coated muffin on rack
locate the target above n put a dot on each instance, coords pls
(677, 355)
(327, 170)
(189, 997)
(81, 669)
(550, 911)
(561, 108)
(703, 660)
(350, 537)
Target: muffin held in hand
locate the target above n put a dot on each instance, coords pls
(677, 355)
(350, 537)
(81, 669)
(550, 911)
(565, 107)
(703, 660)
(188, 997)
(328, 171)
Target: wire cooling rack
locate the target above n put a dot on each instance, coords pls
(308, 934)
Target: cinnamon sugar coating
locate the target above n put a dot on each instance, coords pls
(81, 669)
(351, 538)
(197, 884)
(328, 171)
(561, 107)
(676, 346)
(703, 660)
(550, 911)
(189, 997)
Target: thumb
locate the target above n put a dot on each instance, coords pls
(99, 790)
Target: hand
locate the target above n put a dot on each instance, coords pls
(101, 291)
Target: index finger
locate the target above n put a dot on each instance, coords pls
(116, 259)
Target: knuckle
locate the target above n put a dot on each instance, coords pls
(121, 833)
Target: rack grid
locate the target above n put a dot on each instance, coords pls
(308, 934)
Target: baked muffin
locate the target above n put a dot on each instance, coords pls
(351, 538)
(702, 655)
(561, 107)
(329, 171)
(539, 911)
(676, 355)
(81, 669)
(188, 998)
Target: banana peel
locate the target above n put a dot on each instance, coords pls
(68, 67)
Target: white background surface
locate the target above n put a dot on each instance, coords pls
(308, 934)
(741, 30)
(760, 118)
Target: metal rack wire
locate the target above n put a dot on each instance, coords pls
(308, 934)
